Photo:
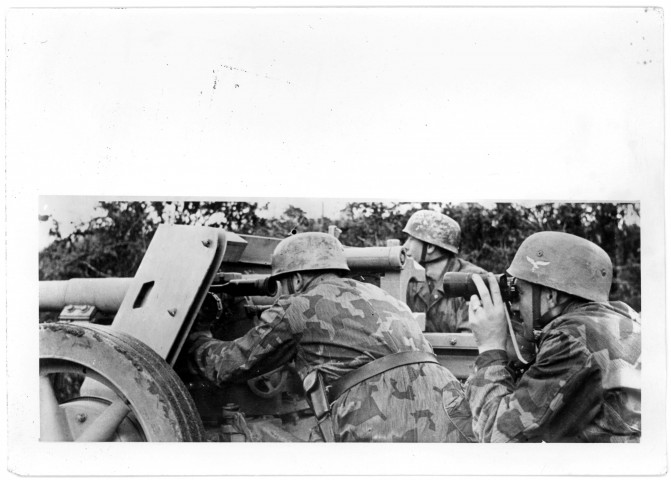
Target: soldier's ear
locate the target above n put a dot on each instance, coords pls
(297, 281)
(552, 297)
(430, 248)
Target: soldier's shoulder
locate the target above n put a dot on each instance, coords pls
(573, 322)
(368, 291)
(573, 316)
(347, 289)
(599, 310)
(283, 301)
(281, 305)
(591, 316)
(332, 289)
(337, 284)
(625, 310)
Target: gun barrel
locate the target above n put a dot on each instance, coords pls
(106, 294)
(375, 258)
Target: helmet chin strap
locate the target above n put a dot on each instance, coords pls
(513, 338)
(423, 261)
(538, 320)
(535, 302)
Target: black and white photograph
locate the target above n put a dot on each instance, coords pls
(402, 231)
(248, 322)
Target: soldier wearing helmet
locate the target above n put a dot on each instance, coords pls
(433, 241)
(368, 372)
(584, 385)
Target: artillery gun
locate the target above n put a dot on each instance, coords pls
(123, 339)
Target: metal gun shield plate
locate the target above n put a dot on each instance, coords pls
(169, 286)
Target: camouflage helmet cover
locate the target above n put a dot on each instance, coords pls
(434, 228)
(308, 251)
(564, 262)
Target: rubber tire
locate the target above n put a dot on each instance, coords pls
(158, 398)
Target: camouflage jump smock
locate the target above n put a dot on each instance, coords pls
(443, 314)
(583, 387)
(335, 326)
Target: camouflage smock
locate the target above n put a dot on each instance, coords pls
(336, 325)
(584, 385)
(443, 314)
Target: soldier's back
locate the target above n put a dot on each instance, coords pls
(414, 403)
(344, 324)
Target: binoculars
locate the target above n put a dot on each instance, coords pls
(459, 284)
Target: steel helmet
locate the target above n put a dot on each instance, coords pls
(434, 228)
(564, 262)
(308, 251)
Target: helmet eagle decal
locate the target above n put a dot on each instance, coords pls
(536, 264)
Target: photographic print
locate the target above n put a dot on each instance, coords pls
(136, 287)
(304, 232)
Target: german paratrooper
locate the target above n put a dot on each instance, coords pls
(584, 385)
(433, 241)
(368, 372)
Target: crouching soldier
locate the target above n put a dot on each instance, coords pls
(368, 372)
(584, 385)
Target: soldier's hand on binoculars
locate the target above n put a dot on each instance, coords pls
(487, 315)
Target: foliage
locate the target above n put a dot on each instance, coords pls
(293, 220)
(113, 243)
(110, 244)
(371, 224)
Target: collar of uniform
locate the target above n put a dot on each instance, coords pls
(573, 305)
(327, 277)
(570, 307)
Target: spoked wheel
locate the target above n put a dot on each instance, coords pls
(132, 394)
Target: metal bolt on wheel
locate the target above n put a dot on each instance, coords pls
(146, 400)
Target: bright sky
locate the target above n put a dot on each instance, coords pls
(433, 104)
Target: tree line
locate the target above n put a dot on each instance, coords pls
(113, 242)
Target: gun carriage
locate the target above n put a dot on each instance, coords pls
(123, 339)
